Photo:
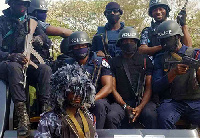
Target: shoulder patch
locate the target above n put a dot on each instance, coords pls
(105, 63)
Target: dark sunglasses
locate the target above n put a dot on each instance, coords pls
(21, 3)
(112, 10)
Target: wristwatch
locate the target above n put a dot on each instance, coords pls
(124, 106)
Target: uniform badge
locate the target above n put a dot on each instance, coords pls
(105, 63)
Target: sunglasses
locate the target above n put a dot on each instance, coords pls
(21, 3)
(112, 10)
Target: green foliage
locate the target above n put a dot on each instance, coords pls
(32, 92)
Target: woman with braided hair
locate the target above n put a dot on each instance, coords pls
(71, 91)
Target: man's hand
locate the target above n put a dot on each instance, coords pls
(37, 41)
(181, 18)
(136, 112)
(100, 54)
(130, 113)
(18, 57)
(181, 69)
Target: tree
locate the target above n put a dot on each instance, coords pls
(87, 15)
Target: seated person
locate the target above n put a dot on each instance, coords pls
(175, 80)
(71, 90)
(132, 73)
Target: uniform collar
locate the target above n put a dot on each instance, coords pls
(108, 26)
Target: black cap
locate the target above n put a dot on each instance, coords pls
(112, 5)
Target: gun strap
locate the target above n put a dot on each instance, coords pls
(105, 41)
(125, 65)
(81, 134)
(97, 77)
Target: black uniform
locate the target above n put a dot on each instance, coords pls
(12, 37)
(130, 76)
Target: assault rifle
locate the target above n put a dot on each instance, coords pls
(28, 48)
(191, 62)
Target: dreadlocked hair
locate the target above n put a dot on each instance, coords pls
(66, 79)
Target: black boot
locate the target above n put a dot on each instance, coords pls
(23, 119)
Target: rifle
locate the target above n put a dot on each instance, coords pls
(191, 62)
(183, 10)
(28, 48)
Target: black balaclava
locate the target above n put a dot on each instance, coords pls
(170, 44)
(18, 8)
(113, 19)
(129, 48)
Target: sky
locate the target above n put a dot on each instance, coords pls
(4, 6)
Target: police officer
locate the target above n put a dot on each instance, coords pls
(130, 71)
(38, 9)
(13, 30)
(177, 84)
(104, 42)
(159, 11)
(99, 71)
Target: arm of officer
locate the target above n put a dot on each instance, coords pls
(161, 80)
(58, 31)
(144, 48)
(106, 89)
(186, 39)
(116, 95)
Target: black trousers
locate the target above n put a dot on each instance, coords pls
(12, 73)
(108, 115)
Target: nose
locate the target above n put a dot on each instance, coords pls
(158, 11)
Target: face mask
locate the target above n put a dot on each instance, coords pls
(170, 44)
(41, 16)
(112, 19)
(80, 53)
(129, 48)
(19, 10)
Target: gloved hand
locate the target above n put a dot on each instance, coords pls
(37, 41)
(18, 57)
(181, 18)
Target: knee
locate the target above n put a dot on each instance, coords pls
(149, 113)
(44, 68)
(165, 116)
(100, 105)
(14, 66)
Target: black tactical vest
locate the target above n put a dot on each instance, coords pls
(13, 35)
(184, 86)
(129, 88)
